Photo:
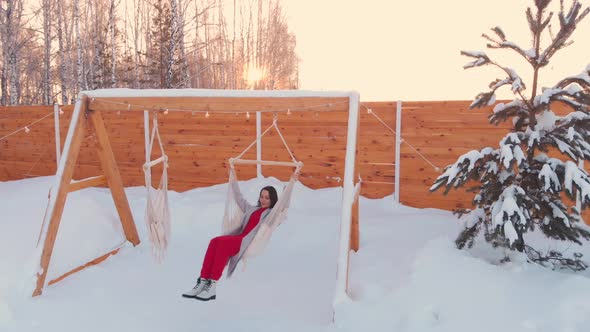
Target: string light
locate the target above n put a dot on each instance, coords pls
(26, 128)
(166, 112)
(288, 111)
(247, 115)
(369, 111)
(61, 111)
(119, 112)
(207, 115)
(129, 107)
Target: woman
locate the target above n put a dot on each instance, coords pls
(231, 247)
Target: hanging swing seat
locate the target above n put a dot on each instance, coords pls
(233, 213)
(157, 213)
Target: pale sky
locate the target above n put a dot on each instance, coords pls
(409, 50)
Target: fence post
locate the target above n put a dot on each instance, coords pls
(258, 144)
(398, 143)
(146, 135)
(57, 135)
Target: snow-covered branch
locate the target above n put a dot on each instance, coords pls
(462, 169)
(480, 59)
(506, 212)
(568, 23)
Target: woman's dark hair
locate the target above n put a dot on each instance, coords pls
(272, 194)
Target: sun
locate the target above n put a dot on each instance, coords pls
(254, 74)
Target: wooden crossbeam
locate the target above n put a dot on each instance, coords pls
(95, 261)
(87, 183)
(220, 104)
(266, 162)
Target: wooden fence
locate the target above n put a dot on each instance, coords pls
(434, 134)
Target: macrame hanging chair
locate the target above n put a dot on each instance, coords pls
(233, 214)
(157, 213)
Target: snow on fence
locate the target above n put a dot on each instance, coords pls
(434, 134)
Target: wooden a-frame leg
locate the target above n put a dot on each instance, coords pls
(113, 177)
(58, 199)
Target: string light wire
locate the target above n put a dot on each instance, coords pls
(26, 128)
(370, 111)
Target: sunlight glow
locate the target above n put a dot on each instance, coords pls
(253, 74)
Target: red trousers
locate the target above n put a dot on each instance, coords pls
(220, 250)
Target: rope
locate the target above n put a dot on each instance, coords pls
(26, 127)
(274, 123)
(256, 140)
(156, 132)
(38, 160)
(436, 168)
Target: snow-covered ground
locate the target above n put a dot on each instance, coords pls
(408, 276)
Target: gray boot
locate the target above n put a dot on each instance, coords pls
(208, 292)
(197, 289)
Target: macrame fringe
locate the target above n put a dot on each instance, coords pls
(157, 212)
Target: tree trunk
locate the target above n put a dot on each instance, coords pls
(184, 70)
(173, 44)
(112, 22)
(47, 9)
(61, 51)
(79, 70)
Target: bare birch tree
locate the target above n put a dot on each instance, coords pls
(172, 59)
(79, 69)
(113, 41)
(11, 15)
(61, 51)
(47, 10)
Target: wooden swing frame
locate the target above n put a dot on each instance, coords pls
(79, 126)
(87, 118)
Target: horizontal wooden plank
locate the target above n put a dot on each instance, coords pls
(219, 104)
(87, 183)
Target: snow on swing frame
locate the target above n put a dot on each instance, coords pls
(161, 98)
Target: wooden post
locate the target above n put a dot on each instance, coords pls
(258, 144)
(56, 207)
(348, 194)
(114, 181)
(57, 135)
(398, 147)
(354, 226)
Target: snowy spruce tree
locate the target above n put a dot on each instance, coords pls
(519, 183)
